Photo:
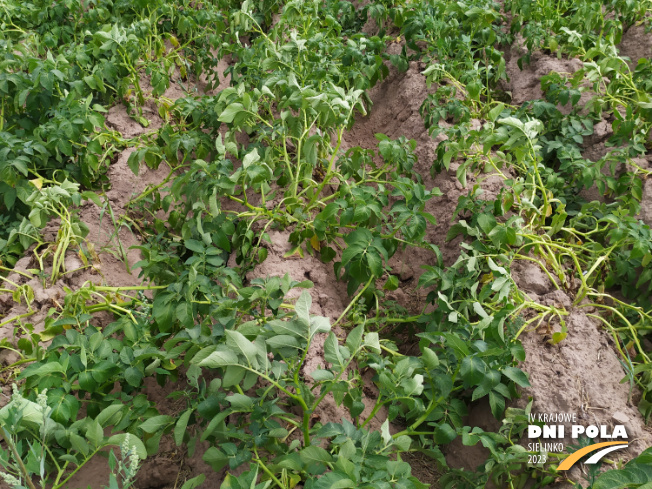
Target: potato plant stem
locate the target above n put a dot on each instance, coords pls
(269, 473)
(329, 171)
(625, 320)
(295, 397)
(14, 318)
(377, 406)
(13, 270)
(76, 469)
(19, 461)
(353, 301)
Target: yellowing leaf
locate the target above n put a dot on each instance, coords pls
(647, 258)
(486, 278)
(314, 241)
(49, 334)
(294, 251)
(37, 182)
(294, 480)
(558, 337)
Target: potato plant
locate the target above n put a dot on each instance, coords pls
(270, 152)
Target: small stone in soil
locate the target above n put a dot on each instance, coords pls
(620, 418)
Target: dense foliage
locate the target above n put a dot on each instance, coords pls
(266, 154)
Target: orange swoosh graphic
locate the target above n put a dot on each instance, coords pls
(574, 457)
